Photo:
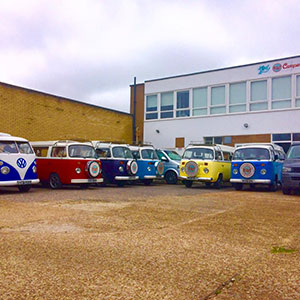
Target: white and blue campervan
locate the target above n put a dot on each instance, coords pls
(17, 163)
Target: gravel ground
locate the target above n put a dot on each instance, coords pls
(157, 242)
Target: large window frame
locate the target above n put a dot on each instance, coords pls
(200, 101)
(217, 108)
(275, 100)
(151, 112)
(237, 102)
(166, 111)
(183, 112)
(258, 103)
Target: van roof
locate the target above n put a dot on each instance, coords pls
(260, 145)
(215, 146)
(57, 143)
(8, 137)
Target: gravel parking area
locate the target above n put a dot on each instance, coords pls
(156, 242)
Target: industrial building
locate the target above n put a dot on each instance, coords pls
(38, 116)
(257, 102)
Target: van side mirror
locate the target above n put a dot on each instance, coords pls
(276, 157)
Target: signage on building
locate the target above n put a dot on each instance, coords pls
(277, 67)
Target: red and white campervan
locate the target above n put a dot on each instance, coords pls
(67, 162)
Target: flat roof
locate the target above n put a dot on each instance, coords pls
(222, 69)
(63, 98)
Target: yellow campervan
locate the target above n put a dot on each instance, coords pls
(206, 163)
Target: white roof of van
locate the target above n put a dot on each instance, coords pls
(8, 137)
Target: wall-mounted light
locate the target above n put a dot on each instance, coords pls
(157, 131)
(246, 125)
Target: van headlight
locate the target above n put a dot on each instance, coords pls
(205, 170)
(286, 169)
(263, 171)
(5, 170)
(235, 171)
(34, 169)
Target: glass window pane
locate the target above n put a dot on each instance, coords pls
(258, 90)
(298, 102)
(296, 137)
(182, 113)
(151, 103)
(298, 86)
(218, 140)
(281, 88)
(237, 108)
(217, 110)
(183, 99)
(227, 140)
(208, 140)
(218, 95)
(166, 101)
(200, 97)
(237, 93)
(200, 112)
(168, 114)
(281, 104)
(151, 116)
(281, 137)
(258, 106)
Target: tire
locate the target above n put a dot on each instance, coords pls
(286, 190)
(120, 183)
(84, 186)
(147, 181)
(219, 182)
(252, 186)
(24, 188)
(171, 177)
(208, 184)
(188, 183)
(273, 186)
(54, 181)
(238, 186)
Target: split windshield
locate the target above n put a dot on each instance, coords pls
(121, 152)
(15, 147)
(294, 152)
(173, 155)
(251, 154)
(84, 151)
(149, 154)
(199, 153)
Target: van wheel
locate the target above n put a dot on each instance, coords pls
(120, 183)
(208, 184)
(147, 181)
(273, 186)
(54, 181)
(219, 182)
(188, 183)
(238, 186)
(24, 188)
(171, 177)
(286, 191)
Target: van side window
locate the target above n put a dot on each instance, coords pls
(218, 155)
(41, 151)
(136, 154)
(59, 152)
(227, 156)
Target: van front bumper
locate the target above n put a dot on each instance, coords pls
(208, 179)
(258, 181)
(126, 177)
(19, 182)
(88, 180)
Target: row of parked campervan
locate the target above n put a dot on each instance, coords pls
(69, 162)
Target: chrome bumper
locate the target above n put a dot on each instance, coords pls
(261, 181)
(89, 180)
(126, 177)
(19, 182)
(196, 178)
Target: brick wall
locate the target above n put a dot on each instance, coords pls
(38, 116)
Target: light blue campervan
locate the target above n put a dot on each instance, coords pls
(171, 160)
(257, 164)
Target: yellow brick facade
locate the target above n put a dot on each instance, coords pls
(38, 116)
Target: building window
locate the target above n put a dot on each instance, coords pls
(200, 101)
(166, 105)
(298, 91)
(227, 140)
(213, 140)
(183, 104)
(237, 97)
(151, 107)
(218, 100)
(179, 142)
(258, 96)
(281, 92)
(282, 139)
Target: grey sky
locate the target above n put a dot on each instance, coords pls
(90, 50)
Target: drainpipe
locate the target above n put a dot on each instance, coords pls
(134, 113)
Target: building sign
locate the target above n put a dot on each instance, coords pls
(277, 67)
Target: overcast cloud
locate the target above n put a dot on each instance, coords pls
(90, 50)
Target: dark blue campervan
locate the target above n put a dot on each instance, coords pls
(257, 164)
(149, 165)
(117, 162)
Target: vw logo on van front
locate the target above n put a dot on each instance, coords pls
(21, 163)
